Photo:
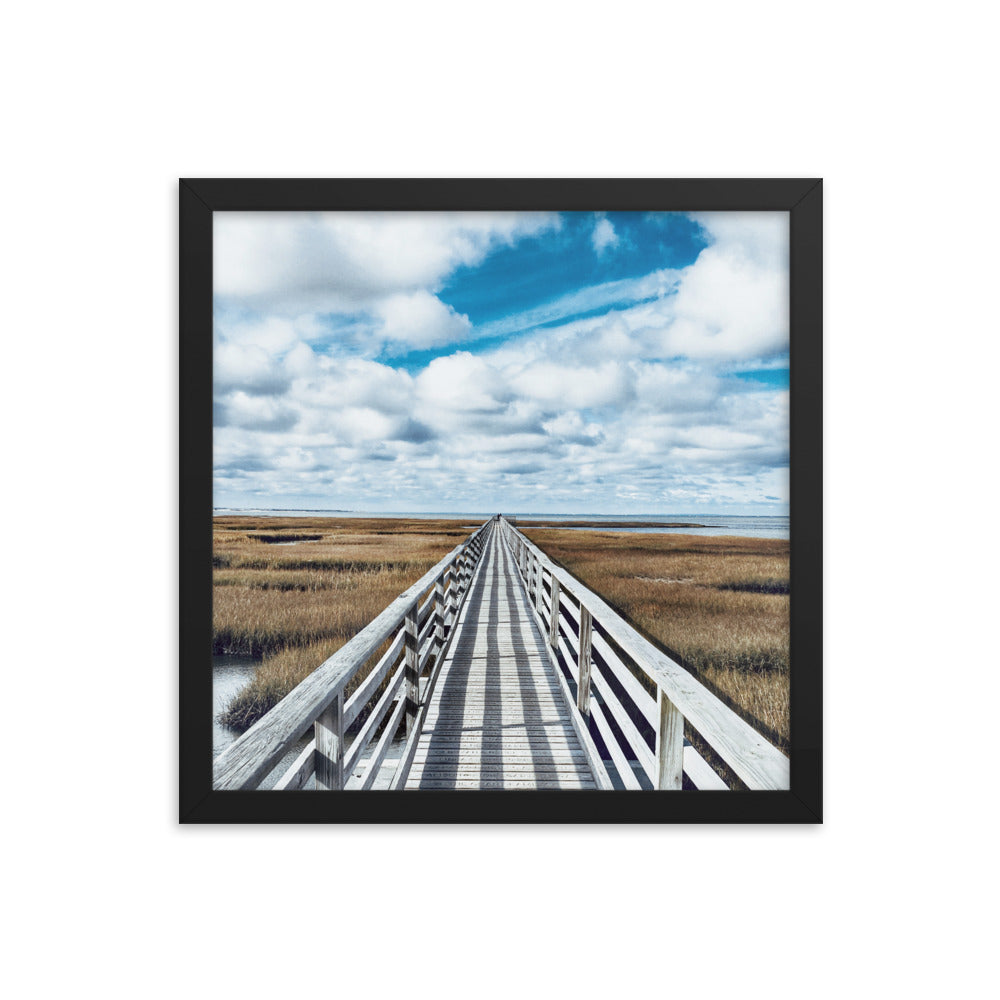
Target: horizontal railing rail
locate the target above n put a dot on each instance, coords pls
(418, 625)
(606, 660)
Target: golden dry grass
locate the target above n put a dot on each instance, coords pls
(719, 605)
(295, 605)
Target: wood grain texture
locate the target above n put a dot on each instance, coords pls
(354, 705)
(329, 738)
(385, 740)
(669, 747)
(300, 772)
(373, 721)
(583, 690)
(412, 671)
(554, 615)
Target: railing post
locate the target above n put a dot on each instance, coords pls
(583, 687)
(540, 593)
(450, 607)
(669, 746)
(410, 670)
(329, 732)
(554, 619)
(439, 612)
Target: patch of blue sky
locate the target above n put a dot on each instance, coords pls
(537, 271)
(598, 300)
(561, 276)
(770, 378)
(415, 361)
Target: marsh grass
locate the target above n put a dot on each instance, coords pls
(295, 607)
(718, 605)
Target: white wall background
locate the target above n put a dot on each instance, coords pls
(107, 104)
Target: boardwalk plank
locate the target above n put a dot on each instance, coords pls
(498, 718)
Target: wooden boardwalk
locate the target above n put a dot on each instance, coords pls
(498, 669)
(497, 718)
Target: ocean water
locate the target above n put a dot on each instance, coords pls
(713, 524)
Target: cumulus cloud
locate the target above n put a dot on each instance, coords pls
(607, 384)
(415, 320)
(256, 413)
(249, 369)
(295, 263)
(463, 382)
(569, 427)
(617, 395)
(604, 236)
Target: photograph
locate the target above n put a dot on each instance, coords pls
(501, 502)
(503, 449)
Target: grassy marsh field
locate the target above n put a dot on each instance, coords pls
(719, 605)
(297, 604)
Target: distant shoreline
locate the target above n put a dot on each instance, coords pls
(608, 524)
(574, 519)
(745, 526)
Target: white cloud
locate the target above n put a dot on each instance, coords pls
(603, 236)
(294, 263)
(259, 413)
(629, 408)
(249, 368)
(760, 236)
(607, 384)
(415, 320)
(731, 304)
(569, 427)
(464, 383)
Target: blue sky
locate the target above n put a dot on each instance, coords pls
(562, 362)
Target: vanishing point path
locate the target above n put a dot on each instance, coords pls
(499, 669)
(497, 718)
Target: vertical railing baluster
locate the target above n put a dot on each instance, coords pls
(449, 598)
(583, 687)
(439, 613)
(410, 670)
(540, 592)
(669, 746)
(328, 730)
(554, 618)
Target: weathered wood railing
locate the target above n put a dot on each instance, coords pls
(420, 623)
(599, 658)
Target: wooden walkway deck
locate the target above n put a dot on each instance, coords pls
(499, 669)
(497, 718)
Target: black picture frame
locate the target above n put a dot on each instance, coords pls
(200, 198)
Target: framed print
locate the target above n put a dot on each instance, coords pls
(493, 495)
